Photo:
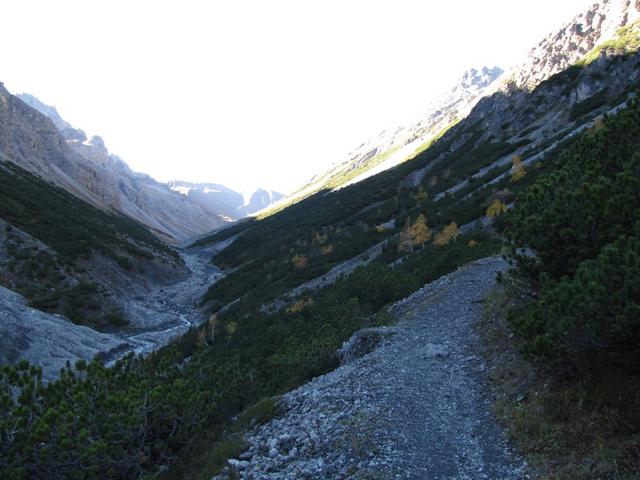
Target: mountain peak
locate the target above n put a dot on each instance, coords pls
(65, 156)
(571, 42)
(47, 110)
(96, 141)
(474, 78)
(228, 202)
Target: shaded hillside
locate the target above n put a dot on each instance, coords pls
(59, 251)
(571, 401)
(456, 180)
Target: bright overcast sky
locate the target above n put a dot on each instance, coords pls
(249, 93)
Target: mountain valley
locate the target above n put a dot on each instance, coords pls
(456, 299)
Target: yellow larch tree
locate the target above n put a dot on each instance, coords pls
(496, 208)
(299, 261)
(445, 235)
(518, 171)
(414, 234)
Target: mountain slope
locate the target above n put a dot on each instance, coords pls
(509, 140)
(68, 257)
(390, 148)
(86, 169)
(422, 213)
(564, 47)
(558, 51)
(456, 180)
(368, 416)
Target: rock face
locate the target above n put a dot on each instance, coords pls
(363, 342)
(455, 105)
(259, 199)
(51, 112)
(538, 100)
(37, 139)
(566, 47)
(570, 43)
(540, 103)
(46, 340)
(227, 202)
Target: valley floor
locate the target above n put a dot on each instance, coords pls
(160, 315)
(416, 407)
(168, 312)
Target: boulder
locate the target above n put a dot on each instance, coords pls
(363, 342)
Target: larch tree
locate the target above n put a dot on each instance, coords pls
(496, 208)
(518, 172)
(445, 235)
(414, 234)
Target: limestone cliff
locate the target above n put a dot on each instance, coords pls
(37, 139)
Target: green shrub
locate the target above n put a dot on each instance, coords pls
(588, 199)
(592, 319)
(581, 220)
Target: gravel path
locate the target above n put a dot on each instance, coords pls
(416, 407)
(440, 407)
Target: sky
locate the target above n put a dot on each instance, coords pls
(255, 93)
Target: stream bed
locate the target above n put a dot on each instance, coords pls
(167, 312)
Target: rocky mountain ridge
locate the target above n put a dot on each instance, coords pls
(391, 147)
(558, 51)
(439, 113)
(64, 156)
(217, 201)
(526, 121)
(564, 47)
(228, 202)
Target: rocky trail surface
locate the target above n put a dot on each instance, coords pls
(409, 402)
